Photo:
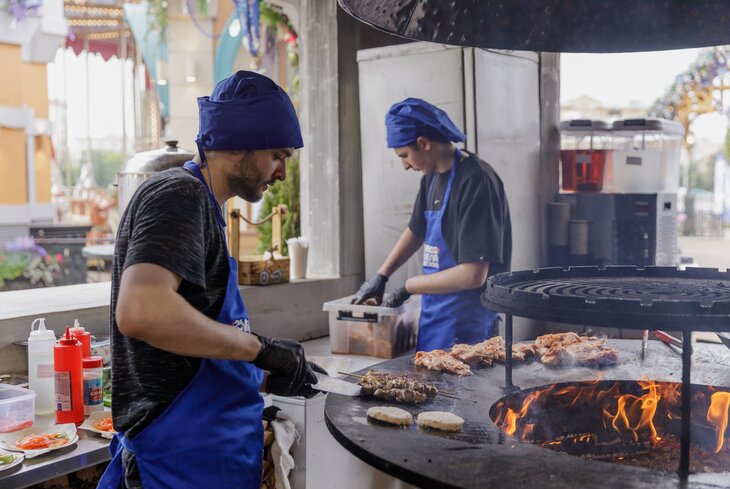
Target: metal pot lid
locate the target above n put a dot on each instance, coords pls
(552, 25)
(158, 159)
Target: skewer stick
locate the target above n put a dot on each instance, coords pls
(440, 392)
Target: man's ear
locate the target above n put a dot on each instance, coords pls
(423, 143)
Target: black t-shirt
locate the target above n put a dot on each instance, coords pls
(170, 222)
(476, 223)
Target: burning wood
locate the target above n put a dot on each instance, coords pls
(627, 422)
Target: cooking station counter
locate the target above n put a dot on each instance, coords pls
(481, 455)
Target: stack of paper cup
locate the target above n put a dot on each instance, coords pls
(298, 250)
(578, 241)
(558, 217)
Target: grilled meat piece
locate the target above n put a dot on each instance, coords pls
(491, 350)
(441, 361)
(589, 352)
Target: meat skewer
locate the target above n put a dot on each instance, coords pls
(396, 388)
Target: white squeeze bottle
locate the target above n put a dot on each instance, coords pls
(40, 366)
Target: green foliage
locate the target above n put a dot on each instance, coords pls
(12, 266)
(287, 193)
(38, 270)
(157, 12)
(106, 165)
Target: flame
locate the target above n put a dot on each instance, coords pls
(638, 416)
(717, 415)
(509, 424)
(635, 414)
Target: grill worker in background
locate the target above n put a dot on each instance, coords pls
(461, 218)
(187, 371)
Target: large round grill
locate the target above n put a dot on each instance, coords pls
(627, 297)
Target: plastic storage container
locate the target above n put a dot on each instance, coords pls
(585, 147)
(17, 408)
(646, 156)
(376, 331)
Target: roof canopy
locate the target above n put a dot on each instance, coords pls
(552, 25)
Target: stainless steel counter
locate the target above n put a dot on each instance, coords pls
(91, 449)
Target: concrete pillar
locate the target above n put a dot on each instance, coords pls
(331, 178)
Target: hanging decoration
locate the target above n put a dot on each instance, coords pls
(248, 16)
(19, 9)
(701, 76)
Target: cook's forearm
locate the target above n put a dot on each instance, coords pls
(464, 276)
(166, 321)
(407, 244)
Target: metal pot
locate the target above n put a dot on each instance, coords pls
(143, 165)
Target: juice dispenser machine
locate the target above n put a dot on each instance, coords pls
(629, 203)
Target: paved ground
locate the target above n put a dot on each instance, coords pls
(707, 252)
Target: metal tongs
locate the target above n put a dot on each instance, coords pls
(675, 344)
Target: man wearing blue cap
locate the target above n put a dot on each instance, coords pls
(187, 369)
(461, 218)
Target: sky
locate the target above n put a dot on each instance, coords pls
(619, 79)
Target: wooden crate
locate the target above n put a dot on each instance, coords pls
(254, 270)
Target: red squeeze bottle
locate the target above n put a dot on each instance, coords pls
(69, 379)
(83, 336)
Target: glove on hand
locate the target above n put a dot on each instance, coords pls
(373, 288)
(285, 360)
(397, 298)
(282, 386)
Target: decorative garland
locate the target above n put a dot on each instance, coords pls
(711, 63)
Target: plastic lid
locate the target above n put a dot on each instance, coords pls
(657, 125)
(93, 362)
(77, 329)
(41, 333)
(584, 125)
(67, 339)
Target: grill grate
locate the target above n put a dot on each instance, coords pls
(653, 297)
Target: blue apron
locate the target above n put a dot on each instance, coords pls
(446, 319)
(211, 435)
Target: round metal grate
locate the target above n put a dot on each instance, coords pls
(622, 297)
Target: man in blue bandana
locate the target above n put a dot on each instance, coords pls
(461, 217)
(187, 369)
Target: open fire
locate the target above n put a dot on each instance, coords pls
(635, 422)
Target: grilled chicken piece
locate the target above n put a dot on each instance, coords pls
(441, 361)
(490, 351)
(547, 341)
(589, 352)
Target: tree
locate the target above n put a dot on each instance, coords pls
(287, 193)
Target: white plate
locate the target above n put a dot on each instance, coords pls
(17, 458)
(88, 424)
(7, 440)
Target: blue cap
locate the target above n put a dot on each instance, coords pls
(247, 111)
(412, 118)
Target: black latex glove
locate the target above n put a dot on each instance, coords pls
(285, 360)
(372, 288)
(397, 298)
(282, 386)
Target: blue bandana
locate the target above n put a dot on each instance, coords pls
(247, 111)
(406, 121)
